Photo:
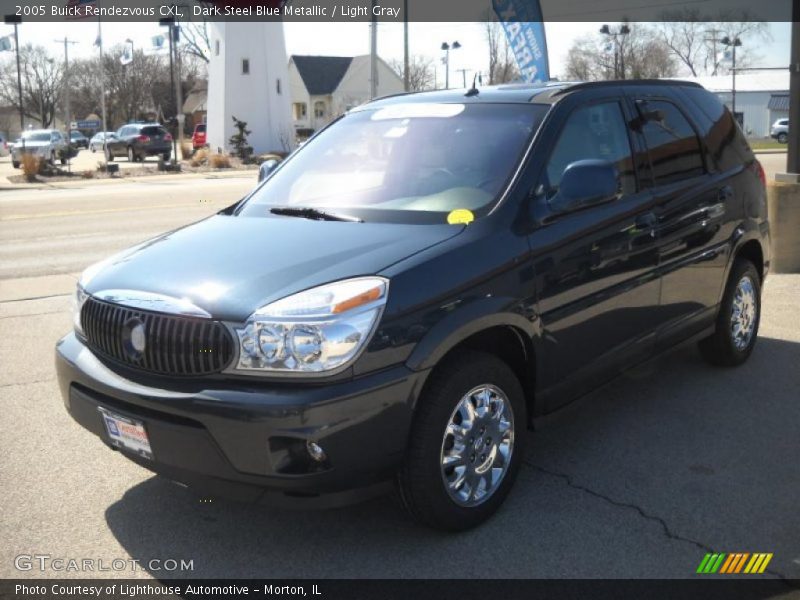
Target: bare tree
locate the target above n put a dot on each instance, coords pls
(502, 64)
(196, 40)
(42, 82)
(685, 33)
(644, 55)
(420, 72)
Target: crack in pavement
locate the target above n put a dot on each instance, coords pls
(665, 528)
(5, 385)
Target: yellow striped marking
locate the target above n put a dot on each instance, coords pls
(756, 558)
(764, 564)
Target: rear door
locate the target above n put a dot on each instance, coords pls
(691, 206)
(595, 268)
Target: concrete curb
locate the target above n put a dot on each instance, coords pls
(222, 174)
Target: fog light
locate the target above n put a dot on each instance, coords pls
(315, 451)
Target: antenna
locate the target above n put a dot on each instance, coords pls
(473, 91)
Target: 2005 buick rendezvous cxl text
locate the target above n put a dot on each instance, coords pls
(402, 296)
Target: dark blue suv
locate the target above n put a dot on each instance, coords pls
(400, 298)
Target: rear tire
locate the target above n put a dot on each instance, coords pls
(166, 156)
(131, 154)
(738, 319)
(109, 155)
(15, 164)
(459, 469)
(783, 138)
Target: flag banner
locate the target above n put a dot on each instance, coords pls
(522, 22)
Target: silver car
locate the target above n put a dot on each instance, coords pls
(780, 130)
(46, 143)
(96, 143)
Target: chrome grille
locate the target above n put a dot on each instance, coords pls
(173, 344)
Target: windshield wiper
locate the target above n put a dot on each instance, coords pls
(312, 213)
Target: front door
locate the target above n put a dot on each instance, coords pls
(595, 267)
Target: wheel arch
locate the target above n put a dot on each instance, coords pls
(509, 336)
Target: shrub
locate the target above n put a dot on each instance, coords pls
(186, 149)
(200, 157)
(219, 161)
(31, 165)
(87, 174)
(239, 140)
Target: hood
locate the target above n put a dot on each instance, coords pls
(231, 266)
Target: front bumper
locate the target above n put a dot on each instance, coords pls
(245, 439)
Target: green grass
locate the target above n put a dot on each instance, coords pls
(767, 145)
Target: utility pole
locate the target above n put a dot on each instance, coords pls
(713, 39)
(373, 54)
(67, 113)
(406, 67)
(447, 47)
(102, 90)
(463, 76)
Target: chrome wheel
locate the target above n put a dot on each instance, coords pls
(477, 445)
(744, 310)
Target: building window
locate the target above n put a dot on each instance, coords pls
(319, 109)
(299, 109)
(245, 66)
(216, 47)
(278, 86)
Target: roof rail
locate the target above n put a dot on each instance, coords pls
(626, 82)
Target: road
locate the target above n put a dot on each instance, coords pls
(639, 479)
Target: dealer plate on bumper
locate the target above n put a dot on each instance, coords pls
(127, 433)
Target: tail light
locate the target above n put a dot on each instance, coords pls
(145, 139)
(168, 137)
(758, 169)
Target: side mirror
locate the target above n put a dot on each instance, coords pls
(586, 183)
(266, 168)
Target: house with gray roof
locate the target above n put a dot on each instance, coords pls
(324, 87)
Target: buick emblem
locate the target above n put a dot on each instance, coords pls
(134, 338)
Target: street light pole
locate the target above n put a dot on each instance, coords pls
(169, 22)
(67, 112)
(619, 49)
(732, 43)
(446, 47)
(16, 20)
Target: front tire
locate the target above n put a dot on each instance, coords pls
(738, 319)
(131, 154)
(783, 138)
(15, 164)
(466, 444)
(109, 155)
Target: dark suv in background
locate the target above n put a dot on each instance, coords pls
(398, 299)
(140, 140)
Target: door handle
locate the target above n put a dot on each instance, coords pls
(647, 221)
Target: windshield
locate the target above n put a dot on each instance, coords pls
(406, 162)
(36, 137)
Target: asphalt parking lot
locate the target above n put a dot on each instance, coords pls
(639, 479)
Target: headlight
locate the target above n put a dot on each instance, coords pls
(78, 300)
(316, 331)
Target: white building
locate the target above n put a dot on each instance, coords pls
(247, 79)
(761, 97)
(324, 87)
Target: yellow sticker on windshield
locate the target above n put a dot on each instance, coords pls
(460, 216)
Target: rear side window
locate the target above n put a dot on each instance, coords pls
(596, 131)
(675, 153)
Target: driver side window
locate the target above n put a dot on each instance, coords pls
(596, 131)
